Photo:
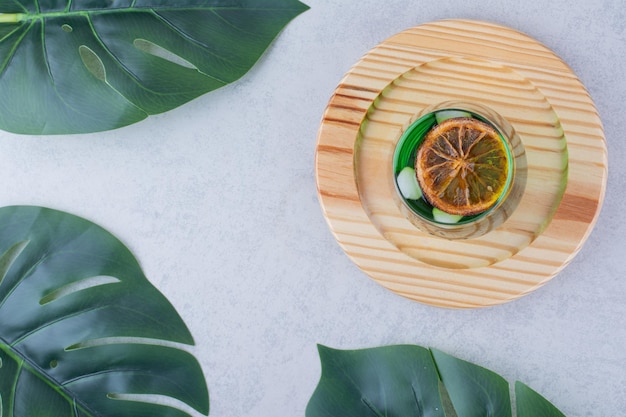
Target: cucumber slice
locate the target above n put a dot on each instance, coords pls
(443, 217)
(407, 183)
(442, 115)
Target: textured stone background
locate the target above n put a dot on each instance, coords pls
(217, 200)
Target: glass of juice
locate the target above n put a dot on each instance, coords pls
(459, 170)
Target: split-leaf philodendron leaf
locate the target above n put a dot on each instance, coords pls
(70, 66)
(82, 331)
(409, 380)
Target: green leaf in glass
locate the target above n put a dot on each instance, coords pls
(82, 331)
(530, 404)
(87, 66)
(387, 381)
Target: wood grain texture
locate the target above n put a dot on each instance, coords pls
(522, 81)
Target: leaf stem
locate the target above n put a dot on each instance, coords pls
(11, 17)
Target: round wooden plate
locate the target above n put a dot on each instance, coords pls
(503, 70)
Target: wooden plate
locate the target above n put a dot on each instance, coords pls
(492, 66)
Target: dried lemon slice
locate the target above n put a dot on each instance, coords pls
(462, 166)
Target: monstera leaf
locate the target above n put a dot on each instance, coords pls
(414, 381)
(82, 332)
(91, 65)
